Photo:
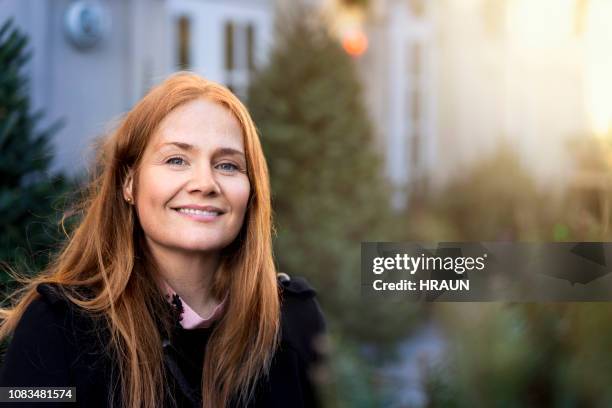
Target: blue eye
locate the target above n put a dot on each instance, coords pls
(230, 167)
(176, 161)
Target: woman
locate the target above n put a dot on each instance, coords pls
(167, 290)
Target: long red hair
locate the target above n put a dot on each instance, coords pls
(106, 254)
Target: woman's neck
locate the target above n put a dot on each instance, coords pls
(189, 274)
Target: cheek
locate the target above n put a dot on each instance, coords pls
(154, 191)
(238, 194)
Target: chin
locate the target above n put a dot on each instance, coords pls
(202, 245)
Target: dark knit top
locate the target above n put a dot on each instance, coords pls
(57, 344)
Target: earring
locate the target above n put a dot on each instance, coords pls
(129, 200)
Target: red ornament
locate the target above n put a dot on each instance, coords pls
(355, 43)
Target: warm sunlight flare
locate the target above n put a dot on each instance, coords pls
(598, 69)
(542, 23)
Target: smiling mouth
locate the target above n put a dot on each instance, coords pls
(192, 211)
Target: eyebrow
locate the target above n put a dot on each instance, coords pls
(190, 147)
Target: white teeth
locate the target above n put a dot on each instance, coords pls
(197, 212)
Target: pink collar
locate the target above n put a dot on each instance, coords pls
(189, 318)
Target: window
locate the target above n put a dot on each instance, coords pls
(414, 99)
(229, 46)
(240, 60)
(183, 27)
(251, 47)
(415, 82)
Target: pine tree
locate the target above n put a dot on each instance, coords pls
(328, 191)
(27, 191)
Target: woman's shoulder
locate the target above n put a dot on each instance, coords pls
(55, 307)
(302, 321)
(51, 317)
(51, 310)
(40, 344)
(292, 377)
(56, 343)
(48, 310)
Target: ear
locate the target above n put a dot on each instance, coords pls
(127, 187)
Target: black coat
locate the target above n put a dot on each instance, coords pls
(57, 344)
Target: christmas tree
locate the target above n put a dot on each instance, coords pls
(328, 191)
(27, 190)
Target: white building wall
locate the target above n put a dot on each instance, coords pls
(407, 140)
(488, 82)
(208, 20)
(89, 88)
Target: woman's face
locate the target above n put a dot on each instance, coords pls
(193, 189)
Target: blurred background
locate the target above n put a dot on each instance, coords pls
(382, 120)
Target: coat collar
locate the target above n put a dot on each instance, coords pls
(188, 318)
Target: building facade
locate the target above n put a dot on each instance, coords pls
(221, 40)
(89, 64)
(447, 82)
(94, 59)
(399, 74)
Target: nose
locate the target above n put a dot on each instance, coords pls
(203, 181)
